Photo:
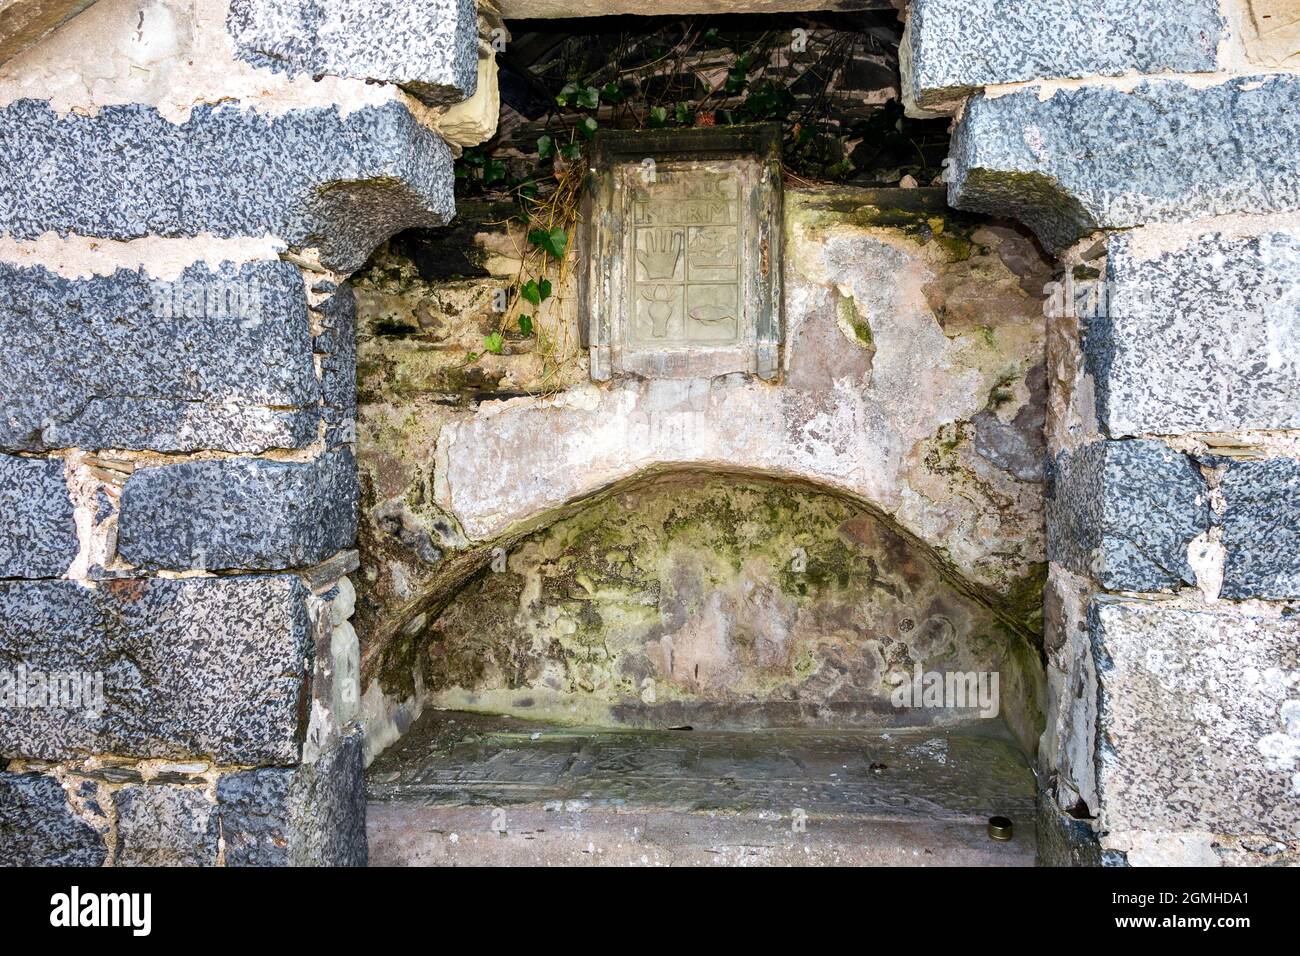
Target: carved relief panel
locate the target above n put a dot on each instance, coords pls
(682, 254)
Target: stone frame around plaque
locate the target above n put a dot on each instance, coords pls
(680, 253)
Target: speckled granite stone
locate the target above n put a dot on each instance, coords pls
(38, 537)
(220, 358)
(1261, 529)
(956, 46)
(39, 828)
(1058, 166)
(164, 825)
(430, 47)
(314, 814)
(312, 177)
(239, 513)
(1198, 728)
(1204, 337)
(337, 347)
(209, 667)
(1124, 512)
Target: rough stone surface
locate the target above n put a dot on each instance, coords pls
(894, 353)
(215, 359)
(312, 177)
(955, 46)
(24, 22)
(337, 348)
(39, 828)
(1063, 840)
(430, 47)
(1199, 729)
(1124, 512)
(720, 603)
(1261, 529)
(239, 513)
(1272, 32)
(1057, 165)
(1204, 336)
(314, 814)
(211, 667)
(38, 538)
(164, 825)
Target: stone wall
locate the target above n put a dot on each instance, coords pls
(1162, 172)
(184, 185)
(913, 388)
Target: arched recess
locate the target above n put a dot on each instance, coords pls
(710, 596)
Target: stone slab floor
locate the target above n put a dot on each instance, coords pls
(463, 789)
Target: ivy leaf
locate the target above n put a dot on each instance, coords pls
(658, 116)
(684, 115)
(587, 127)
(588, 98)
(493, 171)
(494, 343)
(545, 147)
(570, 90)
(572, 152)
(552, 241)
(531, 292)
(525, 325)
(611, 93)
(544, 287)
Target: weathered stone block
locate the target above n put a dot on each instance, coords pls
(1063, 840)
(1057, 165)
(239, 513)
(1124, 513)
(39, 828)
(953, 47)
(1204, 336)
(312, 177)
(430, 47)
(337, 346)
(314, 814)
(1261, 529)
(1198, 728)
(23, 23)
(164, 825)
(38, 537)
(215, 359)
(212, 667)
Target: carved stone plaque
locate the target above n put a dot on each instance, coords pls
(682, 247)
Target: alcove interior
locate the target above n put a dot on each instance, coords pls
(696, 665)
